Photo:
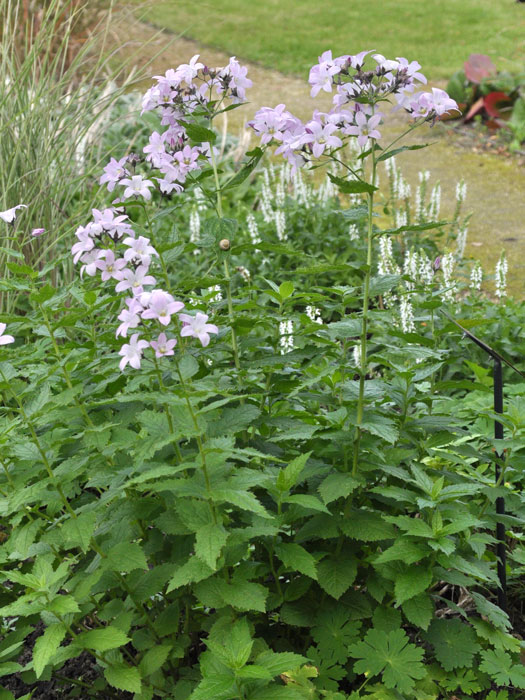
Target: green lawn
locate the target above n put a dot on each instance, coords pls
(289, 34)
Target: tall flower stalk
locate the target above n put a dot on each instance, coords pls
(364, 319)
(359, 91)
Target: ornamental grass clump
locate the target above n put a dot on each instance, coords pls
(54, 101)
(247, 460)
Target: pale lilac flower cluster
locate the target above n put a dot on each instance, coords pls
(108, 245)
(5, 339)
(357, 93)
(190, 90)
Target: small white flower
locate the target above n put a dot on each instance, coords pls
(253, 229)
(476, 276)
(501, 276)
(10, 214)
(286, 336)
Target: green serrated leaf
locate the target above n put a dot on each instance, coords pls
(502, 668)
(338, 485)
(289, 476)
(124, 677)
(392, 656)
(199, 133)
(78, 531)
(336, 574)
(209, 541)
(395, 151)
(297, 558)
(242, 499)
(193, 571)
(352, 186)
(419, 610)
(277, 663)
(411, 582)
(220, 687)
(455, 643)
(153, 659)
(306, 501)
(366, 525)
(46, 645)
(102, 639)
(125, 557)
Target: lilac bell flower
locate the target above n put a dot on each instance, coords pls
(197, 327)
(321, 75)
(89, 262)
(109, 265)
(132, 352)
(5, 339)
(134, 280)
(137, 186)
(162, 306)
(365, 128)
(36, 232)
(130, 317)
(10, 214)
(139, 250)
(321, 137)
(114, 172)
(112, 222)
(162, 346)
(84, 245)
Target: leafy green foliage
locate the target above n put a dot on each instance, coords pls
(455, 644)
(391, 655)
(200, 529)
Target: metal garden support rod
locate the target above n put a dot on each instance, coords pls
(498, 434)
(500, 501)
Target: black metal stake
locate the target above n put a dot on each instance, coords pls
(500, 501)
(498, 434)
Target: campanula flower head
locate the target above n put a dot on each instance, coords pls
(139, 251)
(271, 123)
(432, 104)
(10, 214)
(162, 346)
(37, 232)
(365, 128)
(321, 75)
(134, 280)
(111, 222)
(114, 171)
(109, 266)
(161, 306)
(197, 327)
(85, 243)
(132, 352)
(130, 317)
(360, 81)
(5, 339)
(137, 186)
(89, 263)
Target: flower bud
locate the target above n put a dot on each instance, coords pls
(224, 244)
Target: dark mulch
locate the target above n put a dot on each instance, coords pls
(83, 668)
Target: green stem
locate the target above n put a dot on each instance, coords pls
(220, 212)
(200, 446)
(235, 346)
(62, 366)
(364, 324)
(168, 410)
(41, 451)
